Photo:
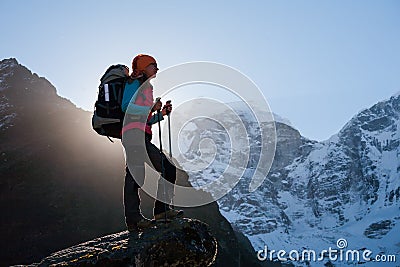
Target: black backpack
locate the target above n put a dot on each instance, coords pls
(108, 116)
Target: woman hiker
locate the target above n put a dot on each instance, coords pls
(137, 135)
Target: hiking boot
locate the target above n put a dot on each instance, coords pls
(141, 225)
(145, 223)
(169, 214)
(133, 228)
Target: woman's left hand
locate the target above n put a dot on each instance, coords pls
(167, 108)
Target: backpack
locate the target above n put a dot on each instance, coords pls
(108, 116)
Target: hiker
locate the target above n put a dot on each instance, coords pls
(137, 135)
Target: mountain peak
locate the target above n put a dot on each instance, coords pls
(18, 79)
(24, 93)
(377, 117)
(5, 70)
(8, 62)
(396, 95)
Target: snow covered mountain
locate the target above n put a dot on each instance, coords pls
(317, 193)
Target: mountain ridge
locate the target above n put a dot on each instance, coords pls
(317, 192)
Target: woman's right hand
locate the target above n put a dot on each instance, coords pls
(157, 106)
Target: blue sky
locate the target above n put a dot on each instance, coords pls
(318, 63)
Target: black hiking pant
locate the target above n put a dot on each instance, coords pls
(137, 154)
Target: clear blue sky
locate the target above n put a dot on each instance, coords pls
(317, 62)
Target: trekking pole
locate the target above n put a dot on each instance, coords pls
(169, 131)
(159, 127)
(162, 161)
(170, 145)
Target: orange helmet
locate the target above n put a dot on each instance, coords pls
(141, 61)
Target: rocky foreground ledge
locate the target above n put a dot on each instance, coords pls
(182, 242)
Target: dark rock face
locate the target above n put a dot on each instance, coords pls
(51, 191)
(182, 242)
(379, 229)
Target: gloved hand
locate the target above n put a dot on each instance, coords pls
(157, 105)
(167, 108)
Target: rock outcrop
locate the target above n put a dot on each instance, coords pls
(181, 242)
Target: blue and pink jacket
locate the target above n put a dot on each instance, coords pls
(139, 102)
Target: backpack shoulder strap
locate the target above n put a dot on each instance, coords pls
(136, 109)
